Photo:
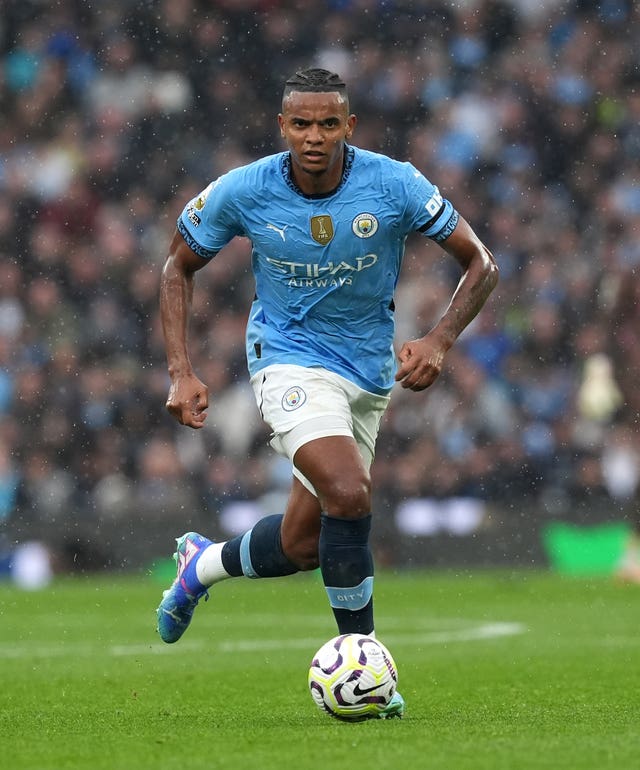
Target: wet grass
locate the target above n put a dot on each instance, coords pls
(499, 670)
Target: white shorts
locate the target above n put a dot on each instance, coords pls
(301, 404)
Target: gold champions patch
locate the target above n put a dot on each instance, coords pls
(322, 229)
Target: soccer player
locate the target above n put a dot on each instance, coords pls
(327, 222)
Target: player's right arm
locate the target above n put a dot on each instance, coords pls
(188, 397)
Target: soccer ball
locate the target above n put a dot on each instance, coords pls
(352, 677)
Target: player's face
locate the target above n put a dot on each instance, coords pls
(315, 127)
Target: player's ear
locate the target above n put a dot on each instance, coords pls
(351, 124)
(281, 124)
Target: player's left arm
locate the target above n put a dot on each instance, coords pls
(421, 360)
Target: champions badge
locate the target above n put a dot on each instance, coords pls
(322, 229)
(293, 398)
(365, 225)
(197, 204)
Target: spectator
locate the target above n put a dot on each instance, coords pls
(533, 104)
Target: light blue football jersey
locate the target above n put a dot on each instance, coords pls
(325, 267)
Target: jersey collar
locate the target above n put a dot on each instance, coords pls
(285, 167)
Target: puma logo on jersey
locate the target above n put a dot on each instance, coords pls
(278, 230)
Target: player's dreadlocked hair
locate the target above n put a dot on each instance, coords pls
(315, 80)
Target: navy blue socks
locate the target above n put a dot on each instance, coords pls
(347, 571)
(258, 553)
(346, 564)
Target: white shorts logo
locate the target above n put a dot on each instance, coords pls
(293, 398)
(365, 225)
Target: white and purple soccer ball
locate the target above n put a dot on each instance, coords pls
(352, 677)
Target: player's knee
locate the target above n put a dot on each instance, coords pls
(348, 498)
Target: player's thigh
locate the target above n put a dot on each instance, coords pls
(335, 468)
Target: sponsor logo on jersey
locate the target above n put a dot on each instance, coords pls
(316, 270)
(313, 274)
(294, 398)
(365, 225)
(322, 229)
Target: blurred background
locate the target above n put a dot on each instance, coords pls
(113, 115)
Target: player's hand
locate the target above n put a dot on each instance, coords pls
(188, 400)
(420, 363)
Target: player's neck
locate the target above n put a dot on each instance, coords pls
(317, 184)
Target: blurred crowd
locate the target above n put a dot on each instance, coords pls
(525, 114)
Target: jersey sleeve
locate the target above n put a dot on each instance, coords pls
(427, 211)
(210, 220)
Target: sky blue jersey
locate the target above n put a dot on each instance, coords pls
(326, 267)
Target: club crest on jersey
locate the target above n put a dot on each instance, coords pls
(365, 225)
(293, 398)
(322, 229)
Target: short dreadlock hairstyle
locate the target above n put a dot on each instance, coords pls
(315, 80)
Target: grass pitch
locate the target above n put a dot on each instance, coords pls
(499, 670)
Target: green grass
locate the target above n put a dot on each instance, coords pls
(499, 670)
